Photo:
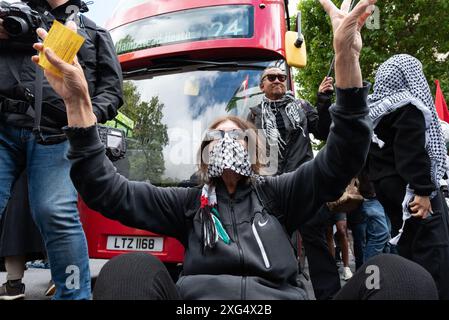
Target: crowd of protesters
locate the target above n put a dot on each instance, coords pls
(388, 145)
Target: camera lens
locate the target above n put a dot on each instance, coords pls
(15, 26)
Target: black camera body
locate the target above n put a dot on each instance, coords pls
(114, 141)
(20, 21)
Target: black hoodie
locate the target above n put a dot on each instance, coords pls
(259, 263)
(96, 56)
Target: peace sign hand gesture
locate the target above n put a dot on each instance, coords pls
(347, 39)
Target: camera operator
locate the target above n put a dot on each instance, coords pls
(39, 146)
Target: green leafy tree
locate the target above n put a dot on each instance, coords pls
(149, 135)
(416, 27)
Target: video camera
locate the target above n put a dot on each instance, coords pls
(20, 21)
(114, 141)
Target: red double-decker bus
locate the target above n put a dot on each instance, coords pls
(184, 64)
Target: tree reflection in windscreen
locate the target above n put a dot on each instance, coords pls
(171, 113)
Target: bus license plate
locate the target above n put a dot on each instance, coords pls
(135, 243)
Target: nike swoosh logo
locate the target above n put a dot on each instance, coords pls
(262, 224)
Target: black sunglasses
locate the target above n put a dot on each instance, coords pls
(272, 77)
(236, 134)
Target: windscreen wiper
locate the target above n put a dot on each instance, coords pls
(205, 64)
(176, 65)
(150, 71)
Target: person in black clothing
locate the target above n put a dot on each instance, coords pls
(286, 123)
(407, 159)
(40, 147)
(20, 240)
(235, 249)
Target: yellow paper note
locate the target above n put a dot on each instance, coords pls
(64, 42)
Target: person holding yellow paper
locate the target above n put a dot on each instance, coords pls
(40, 147)
(65, 42)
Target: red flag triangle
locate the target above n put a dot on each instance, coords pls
(440, 104)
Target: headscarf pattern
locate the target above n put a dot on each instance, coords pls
(400, 81)
(269, 125)
(226, 154)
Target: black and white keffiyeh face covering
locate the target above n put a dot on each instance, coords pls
(400, 81)
(226, 154)
(269, 118)
(229, 154)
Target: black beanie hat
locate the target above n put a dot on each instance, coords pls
(134, 276)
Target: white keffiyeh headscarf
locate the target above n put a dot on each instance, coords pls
(400, 81)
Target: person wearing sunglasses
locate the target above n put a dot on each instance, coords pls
(234, 249)
(236, 134)
(287, 121)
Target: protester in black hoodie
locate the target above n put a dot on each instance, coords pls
(287, 123)
(407, 161)
(235, 249)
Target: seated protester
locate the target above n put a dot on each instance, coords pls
(407, 160)
(286, 123)
(234, 248)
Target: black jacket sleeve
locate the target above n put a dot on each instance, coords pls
(108, 95)
(135, 204)
(411, 158)
(300, 193)
(318, 120)
(324, 101)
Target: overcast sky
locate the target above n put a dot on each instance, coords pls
(101, 10)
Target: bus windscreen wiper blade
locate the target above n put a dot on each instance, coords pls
(173, 65)
(218, 64)
(150, 71)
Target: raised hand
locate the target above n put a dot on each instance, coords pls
(347, 25)
(347, 39)
(327, 85)
(72, 87)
